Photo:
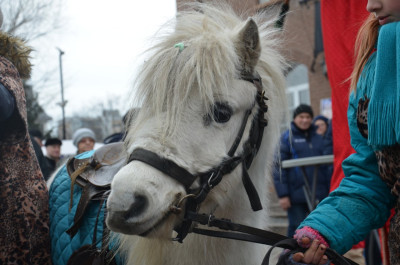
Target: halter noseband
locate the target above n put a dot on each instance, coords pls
(213, 177)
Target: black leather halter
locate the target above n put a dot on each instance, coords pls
(213, 177)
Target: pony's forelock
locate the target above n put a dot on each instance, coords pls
(204, 67)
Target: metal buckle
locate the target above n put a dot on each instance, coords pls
(212, 178)
(209, 180)
(210, 219)
(176, 209)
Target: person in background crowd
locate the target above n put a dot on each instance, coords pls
(24, 218)
(37, 136)
(322, 124)
(128, 118)
(324, 128)
(84, 140)
(37, 143)
(53, 152)
(371, 188)
(114, 138)
(289, 182)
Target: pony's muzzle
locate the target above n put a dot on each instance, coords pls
(135, 209)
(139, 205)
(117, 217)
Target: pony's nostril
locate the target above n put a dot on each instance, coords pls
(138, 206)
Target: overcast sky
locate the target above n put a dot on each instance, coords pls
(102, 41)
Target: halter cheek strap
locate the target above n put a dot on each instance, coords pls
(164, 165)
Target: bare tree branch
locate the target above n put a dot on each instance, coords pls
(31, 19)
(34, 20)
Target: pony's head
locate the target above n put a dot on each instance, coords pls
(198, 111)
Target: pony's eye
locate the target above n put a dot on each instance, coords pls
(222, 112)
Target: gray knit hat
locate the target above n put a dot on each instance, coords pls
(82, 133)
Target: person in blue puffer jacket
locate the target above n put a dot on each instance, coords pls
(300, 141)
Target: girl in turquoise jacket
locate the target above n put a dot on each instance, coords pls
(372, 183)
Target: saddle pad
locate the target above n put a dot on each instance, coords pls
(61, 219)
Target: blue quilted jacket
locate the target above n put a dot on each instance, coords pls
(61, 218)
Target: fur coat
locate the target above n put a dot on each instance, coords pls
(24, 228)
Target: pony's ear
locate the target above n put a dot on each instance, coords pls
(248, 47)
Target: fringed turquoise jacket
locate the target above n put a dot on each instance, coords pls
(363, 201)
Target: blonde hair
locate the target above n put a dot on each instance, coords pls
(364, 46)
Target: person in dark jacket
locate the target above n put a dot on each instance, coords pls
(53, 152)
(324, 128)
(37, 138)
(322, 124)
(300, 141)
(127, 120)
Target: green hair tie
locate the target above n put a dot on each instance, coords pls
(180, 45)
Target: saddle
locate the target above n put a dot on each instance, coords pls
(94, 175)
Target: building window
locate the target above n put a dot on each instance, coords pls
(298, 89)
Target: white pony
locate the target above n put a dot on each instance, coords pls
(194, 98)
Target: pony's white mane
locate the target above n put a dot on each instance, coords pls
(208, 63)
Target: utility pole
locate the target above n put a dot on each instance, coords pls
(63, 102)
